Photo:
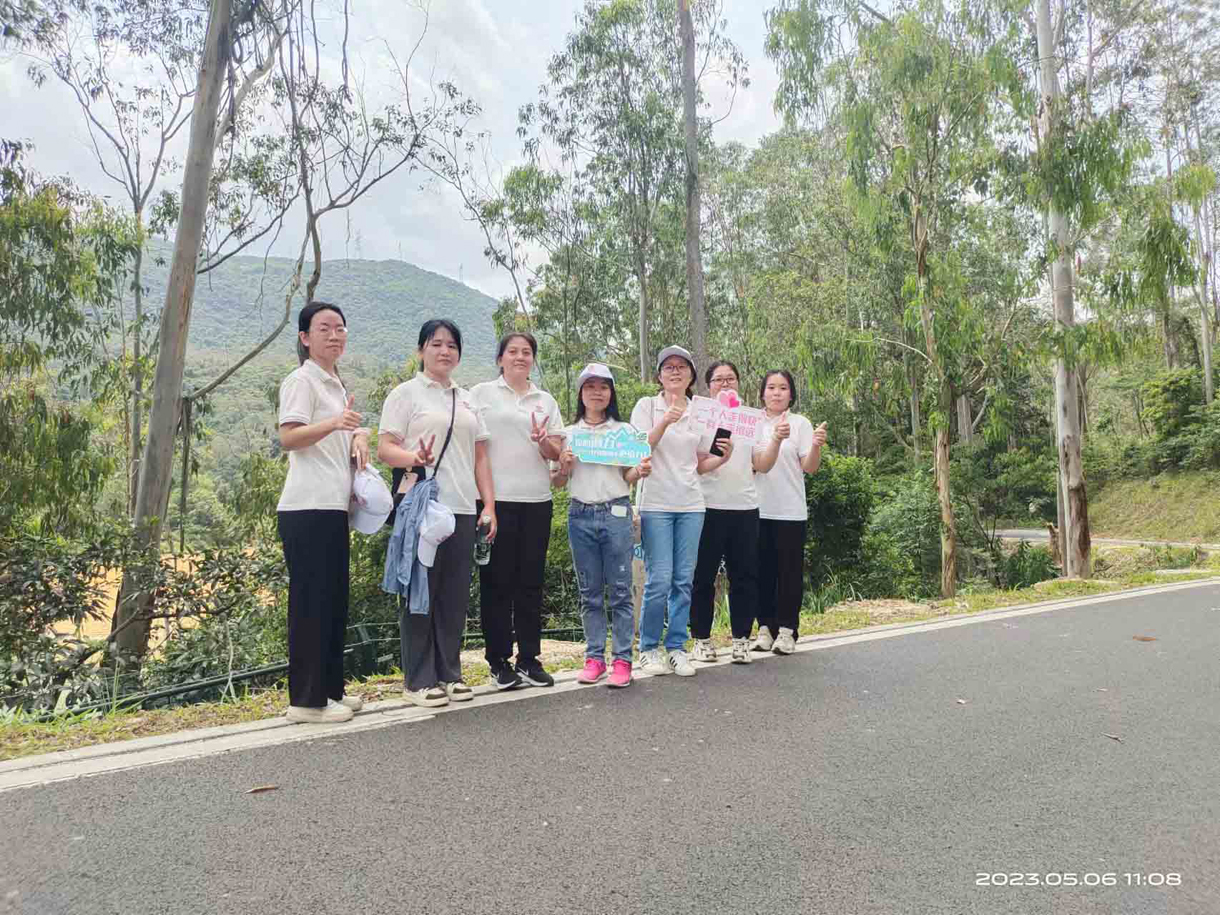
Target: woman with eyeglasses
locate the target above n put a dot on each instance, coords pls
(730, 535)
(794, 448)
(322, 433)
(671, 510)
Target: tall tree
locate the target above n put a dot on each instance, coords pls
(694, 210)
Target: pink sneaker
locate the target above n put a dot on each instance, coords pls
(621, 675)
(594, 671)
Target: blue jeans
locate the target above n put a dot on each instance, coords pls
(671, 546)
(601, 552)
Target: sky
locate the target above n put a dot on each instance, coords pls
(494, 50)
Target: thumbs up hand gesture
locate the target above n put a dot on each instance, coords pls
(819, 435)
(349, 420)
(783, 428)
(674, 413)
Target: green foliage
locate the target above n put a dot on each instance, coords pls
(903, 539)
(1169, 398)
(840, 499)
(996, 483)
(1025, 566)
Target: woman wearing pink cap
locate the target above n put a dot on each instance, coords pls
(600, 529)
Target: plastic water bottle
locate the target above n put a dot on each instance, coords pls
(482, 546)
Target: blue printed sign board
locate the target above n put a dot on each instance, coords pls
(623, 447)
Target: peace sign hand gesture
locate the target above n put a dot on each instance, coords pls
(423, 454)
(537, 429)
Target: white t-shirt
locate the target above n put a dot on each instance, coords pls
(781, 491)
(319, 476)
(420, 408)
(596, 482)
(673, 485)
(519, 469)
(731, 485)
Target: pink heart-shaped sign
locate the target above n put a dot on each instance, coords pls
(729, 399)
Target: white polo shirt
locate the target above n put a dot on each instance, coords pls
(420, 408)
(519, 469)
(673, 485)
(781, 491)
(731, 485)
(597, 482)
(319, 476)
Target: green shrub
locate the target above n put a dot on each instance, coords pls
(840, 498)
(1025, 566)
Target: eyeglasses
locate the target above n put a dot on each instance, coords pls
(326, 331)
(671, 367)
(724, 379)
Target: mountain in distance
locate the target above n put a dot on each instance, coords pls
(237, 304)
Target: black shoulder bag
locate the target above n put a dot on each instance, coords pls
(420, 471)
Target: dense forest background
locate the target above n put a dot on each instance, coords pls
(983, 241)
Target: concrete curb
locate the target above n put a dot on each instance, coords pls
(32, 771)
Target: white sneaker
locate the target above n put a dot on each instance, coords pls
(654, 662)
(458, 691)
(741, 652)
(705, 651)
(331, 712)
(785, 642)
(355, 703)
(764, 642)
(429, 697)
(680, 661)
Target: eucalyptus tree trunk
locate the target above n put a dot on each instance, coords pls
(152, 497)
(965, 420)
(694, 262)
(1075, 532)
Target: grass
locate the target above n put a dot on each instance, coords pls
(1170, 506)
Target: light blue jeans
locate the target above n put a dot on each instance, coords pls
(601, 553)
(671, 546)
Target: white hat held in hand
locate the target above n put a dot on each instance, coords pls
(371, 501)
(435, 528)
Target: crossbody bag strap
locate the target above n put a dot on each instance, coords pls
(449, 434)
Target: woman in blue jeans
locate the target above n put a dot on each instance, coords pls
(671, 512)
(599, 530)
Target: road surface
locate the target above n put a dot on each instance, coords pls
(915, 773)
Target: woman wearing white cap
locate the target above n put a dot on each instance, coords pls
(600, 529)
(521, 419)
(671, 512)
(783, 511)
(425, 422)
(321, 431)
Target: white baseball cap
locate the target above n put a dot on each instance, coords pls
(594, 370)
(435, 528)
(675, 351)
(371, 501)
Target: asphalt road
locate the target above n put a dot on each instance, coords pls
(877, 777)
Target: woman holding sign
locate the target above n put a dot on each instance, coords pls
(671, 512)
(794, 448)
(322, 434)
(520, 418)
(730, 533)
(599, 525)
(424, 420)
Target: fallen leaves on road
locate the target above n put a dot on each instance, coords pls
(1115, 737)
(1144, 638)
(259, 789)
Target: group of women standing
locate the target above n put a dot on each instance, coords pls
(496, 452)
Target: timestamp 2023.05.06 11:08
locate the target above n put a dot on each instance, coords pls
(1081, 878)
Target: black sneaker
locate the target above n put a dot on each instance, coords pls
(533, 674)
(504, 676)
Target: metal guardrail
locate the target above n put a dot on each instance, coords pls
(363, 657)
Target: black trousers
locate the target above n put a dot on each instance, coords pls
(316, 550)
(781, 569)
(510, 585)
(731, 535)
(432, 641)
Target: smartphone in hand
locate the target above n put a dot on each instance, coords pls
(722, 435)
